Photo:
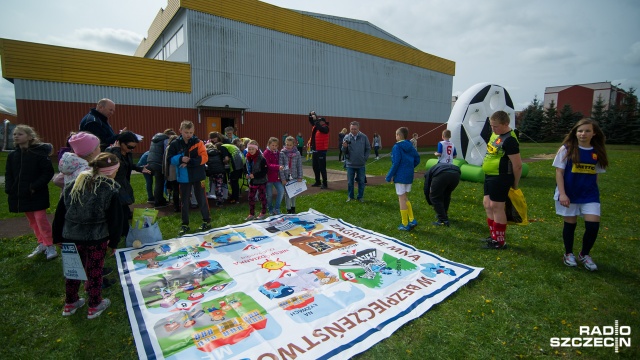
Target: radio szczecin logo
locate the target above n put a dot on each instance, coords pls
(597, 336)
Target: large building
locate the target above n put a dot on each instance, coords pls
(582, 97)
(242, 63)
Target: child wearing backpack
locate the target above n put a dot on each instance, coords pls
(215, 171)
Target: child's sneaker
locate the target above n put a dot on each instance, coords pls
(261, 216)
(51, 252)
(413, 223)
(404, 227)
(249, 218)
(38, 250)
(94, 312)
(587, 262)
(205, 226)
(183, 230)
(570, 260)
(70, 309)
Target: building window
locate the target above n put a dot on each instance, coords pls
(174, 43)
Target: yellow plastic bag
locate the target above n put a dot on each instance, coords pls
(143, 217)
(516, 208)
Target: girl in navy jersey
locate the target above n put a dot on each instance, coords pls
(580, 159)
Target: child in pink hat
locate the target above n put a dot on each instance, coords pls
(86, 147)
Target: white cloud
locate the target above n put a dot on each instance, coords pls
(633, 57)
(117, 41)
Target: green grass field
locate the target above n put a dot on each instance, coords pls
(524, 297)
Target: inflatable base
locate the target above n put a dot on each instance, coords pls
(470, 172)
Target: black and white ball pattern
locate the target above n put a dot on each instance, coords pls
(469, 119)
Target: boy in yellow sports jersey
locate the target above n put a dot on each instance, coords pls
(502, 167)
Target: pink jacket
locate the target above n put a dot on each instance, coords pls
(273, 162)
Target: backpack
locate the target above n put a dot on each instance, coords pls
(214, 164)
(237, 157)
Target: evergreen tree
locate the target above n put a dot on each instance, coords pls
(566, 119)
(530, 126)
(549, 121)
(599, 112)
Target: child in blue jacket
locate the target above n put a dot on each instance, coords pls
(404, 158)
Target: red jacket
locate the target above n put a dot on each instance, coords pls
(319, 135)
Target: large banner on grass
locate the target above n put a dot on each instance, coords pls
(303, 286)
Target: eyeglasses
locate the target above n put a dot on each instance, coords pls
(130, 147)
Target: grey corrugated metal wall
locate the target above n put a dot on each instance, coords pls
(280, 73)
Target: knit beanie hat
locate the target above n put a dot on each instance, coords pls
(83, 143)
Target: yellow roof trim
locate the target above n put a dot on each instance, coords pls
(291, 22)
(32, 61)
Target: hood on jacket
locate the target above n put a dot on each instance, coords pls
(71, 162)
(42, 149)
(405, 146)
(159, 137)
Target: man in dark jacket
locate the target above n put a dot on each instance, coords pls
(439, 183)
(319, 147)
(97, 123)
(159, 143)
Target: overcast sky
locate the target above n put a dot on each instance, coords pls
(523, 46)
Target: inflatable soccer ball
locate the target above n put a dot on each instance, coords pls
(469, 119)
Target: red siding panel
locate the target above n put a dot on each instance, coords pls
(54, 120)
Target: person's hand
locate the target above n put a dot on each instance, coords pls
(145, 170)
(116, 143)
(111, 251)
(185, 159)
(281, 167)
(123, 129)
(564, 200)
(250, 176)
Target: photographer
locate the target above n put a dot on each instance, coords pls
(356, 147)
(319, 147)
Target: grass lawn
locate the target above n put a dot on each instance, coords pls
(523, 298)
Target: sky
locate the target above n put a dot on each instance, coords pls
(522, 46)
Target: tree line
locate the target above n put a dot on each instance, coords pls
(620, 123)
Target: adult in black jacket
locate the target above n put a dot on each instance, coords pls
(97, 123)
(159, 143)
(126, 142)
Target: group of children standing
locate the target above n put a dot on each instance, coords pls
(90, 215)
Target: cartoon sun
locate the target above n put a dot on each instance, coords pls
(273, 264)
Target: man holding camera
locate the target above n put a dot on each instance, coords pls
(356, 147)
(319, 147)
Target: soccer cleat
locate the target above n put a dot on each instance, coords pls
(570, 260)
(487, 240)
(587, 262)
(51, 252)
(183, 230)
(413, 223)
(249, 217)
(70, 309)
(94, 312)
(495, 245)
(205, 226)
(38, 250)
(404, 227)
